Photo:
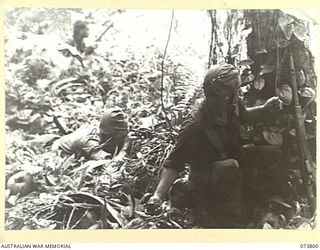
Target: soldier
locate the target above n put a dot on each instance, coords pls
(102, 143)
(226, 178)
(80, 32)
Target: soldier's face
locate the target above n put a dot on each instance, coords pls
(85, 32)
(82, 32)
(224, 94)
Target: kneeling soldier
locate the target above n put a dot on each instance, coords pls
(227, 178)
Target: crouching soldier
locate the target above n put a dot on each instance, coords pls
(94, 143)
(228, 180)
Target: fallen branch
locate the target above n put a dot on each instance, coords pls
(104, 32)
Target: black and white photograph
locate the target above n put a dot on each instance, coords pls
(160, 118)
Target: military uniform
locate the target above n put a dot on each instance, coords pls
(86, 142)
(98, 143)
(228, 180)
(228, 201)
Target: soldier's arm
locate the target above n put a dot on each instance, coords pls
(270, 107)
(174, 164)
(168, 176)
(92, 150)
(100, 155)
(124, 150)
(254, 113)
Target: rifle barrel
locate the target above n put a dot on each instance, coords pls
(307, 165)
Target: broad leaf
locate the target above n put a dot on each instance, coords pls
(266, 69)
(83, 197)
(267, 226)
(307, 93)
(286, 22)
(90, 165)
(261, 50)
(51, 179)
(59, 84)
(246, 62)
(7, 193)
(95, 226)
(12, 200)
(127, 212)
(279, 200)
(116, 215)
(43, 83)
(24, 114)
(43, 140)
(300, 31)
(301, 78)
(137, 223)
(70, 50)
(245, 89)
(284, 92)
(305, 226)
(245, 33)
(259, 84)
(235, 50)
(307, 135)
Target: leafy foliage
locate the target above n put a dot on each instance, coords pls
(273, 33)
(53, 89)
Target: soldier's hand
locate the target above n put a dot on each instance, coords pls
(155, 200)
(219, 167)
(273, 104)
(226, 164)
(100, 155)
(153, 205)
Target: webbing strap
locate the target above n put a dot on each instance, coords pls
(211, 135)
(216, 142)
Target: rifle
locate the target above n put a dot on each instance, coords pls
(307, 164)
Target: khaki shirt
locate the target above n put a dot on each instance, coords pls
(193, 146)
(86, 142)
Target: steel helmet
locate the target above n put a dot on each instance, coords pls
(219, 80)
(113, 121)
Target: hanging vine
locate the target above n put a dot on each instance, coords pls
(162, 74)
(212, 51)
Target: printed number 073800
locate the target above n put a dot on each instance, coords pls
(308, 245)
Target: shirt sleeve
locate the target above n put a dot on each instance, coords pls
(70, 143)
(180, 155)
(91, 149)
(243, 114)
(82, 143)
(99, 154)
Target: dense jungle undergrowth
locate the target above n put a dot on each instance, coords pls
(56, 84)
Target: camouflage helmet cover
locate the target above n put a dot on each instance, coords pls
(113, 121)
(218, 80)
